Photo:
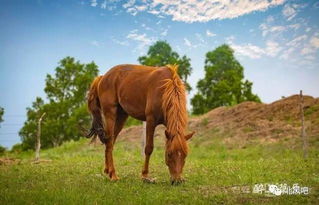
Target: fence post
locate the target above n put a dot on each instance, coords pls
(303, 129)
(38, 141)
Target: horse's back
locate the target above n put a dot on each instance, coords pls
(136, 88)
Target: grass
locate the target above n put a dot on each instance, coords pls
(248, 129)
(204, 121)
(213, 173)
(312, 109)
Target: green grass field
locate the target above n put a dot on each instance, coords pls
(214, 175)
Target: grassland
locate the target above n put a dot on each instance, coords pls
(215, 174)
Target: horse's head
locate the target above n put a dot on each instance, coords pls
(176, 152)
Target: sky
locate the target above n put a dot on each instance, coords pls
(276, 41)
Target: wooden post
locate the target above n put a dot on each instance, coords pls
(303, 129)
(38, 145)
(143, 140)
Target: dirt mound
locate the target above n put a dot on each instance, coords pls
(248, 121)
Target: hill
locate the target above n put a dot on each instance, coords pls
(250, 122)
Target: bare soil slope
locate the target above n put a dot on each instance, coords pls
(250, 122)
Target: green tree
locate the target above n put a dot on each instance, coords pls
(161, 54)
(2, 150)
(66, 110)
(1, 114)
(223, 84)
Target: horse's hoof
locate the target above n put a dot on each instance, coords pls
(149, 180)
(177, 182)
(114, 179)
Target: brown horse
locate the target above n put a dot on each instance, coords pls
(151, 94)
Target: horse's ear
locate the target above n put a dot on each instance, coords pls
(168, 136)
(187, 137)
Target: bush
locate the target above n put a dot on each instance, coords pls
(2, 150)
(17, 148)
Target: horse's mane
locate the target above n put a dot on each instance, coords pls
(174, 107)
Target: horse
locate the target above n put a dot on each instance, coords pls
(152, 94)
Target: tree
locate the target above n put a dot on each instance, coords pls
(223, 84)
(66, 110)
(161, 54)
(2, 150)
(1, 114)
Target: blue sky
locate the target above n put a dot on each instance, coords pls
(277, 42)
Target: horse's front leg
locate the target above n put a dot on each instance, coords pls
(150, 128)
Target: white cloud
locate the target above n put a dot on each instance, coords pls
(272, 49)
(299, 45)
(287, 52)
(154, 12)
(146, 27)
(93, 3)
(187, 43)
(270, 19)
(141, 8)
(132, 11)
(129, 3)
(277, 29)
(271, 29)
(307, 50)
(142, 39)
(294, 26)
(164, 33)
(230, 39)
(248, 50)
(311, 47)
(195, 43)
(296, 42)
(314, 42)
(103, 5)
(201, 10)
(289, 12)
(122, 43)
(210, 34)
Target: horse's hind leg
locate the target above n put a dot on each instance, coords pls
(109, 113)
(121, 118)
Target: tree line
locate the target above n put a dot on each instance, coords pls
(65, 103)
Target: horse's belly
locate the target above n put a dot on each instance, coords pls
(133, 108)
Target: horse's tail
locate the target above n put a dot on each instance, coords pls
(95, 109)
(174, 106)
